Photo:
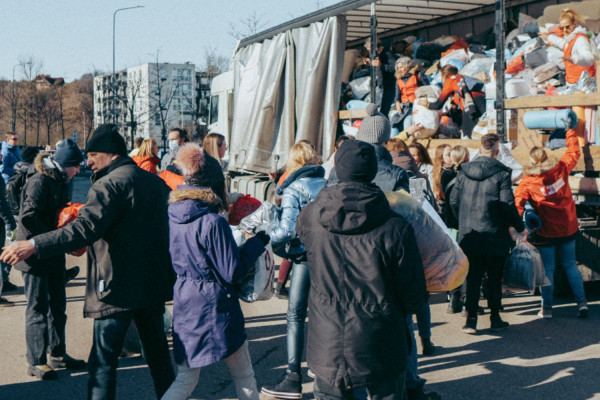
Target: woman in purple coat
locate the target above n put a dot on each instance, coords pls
(208, 324)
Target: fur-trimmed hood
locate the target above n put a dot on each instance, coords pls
(540, 169)
(189, 203)
(44, 164)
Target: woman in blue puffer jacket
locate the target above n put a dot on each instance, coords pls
(304, 182)
(208, 324)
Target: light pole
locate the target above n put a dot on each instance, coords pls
(13, 104)
(114, 93)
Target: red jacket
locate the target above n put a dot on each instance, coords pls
(546, 187)
(147, 163)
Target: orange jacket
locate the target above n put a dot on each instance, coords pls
(574, 71)
(171, 179)
(408, 88)
(147, 163)
(546, 187)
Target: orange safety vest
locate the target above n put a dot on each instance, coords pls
(408, 89)
(574, 71)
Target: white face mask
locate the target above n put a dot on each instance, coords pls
(173, 145)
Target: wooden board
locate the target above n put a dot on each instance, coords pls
(592, 99)
(352, 114)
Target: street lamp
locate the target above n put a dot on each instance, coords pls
(13, 105)
(114, 99)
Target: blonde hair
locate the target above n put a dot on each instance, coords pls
(146, 148)
(571, 15)
(438, 164)
(459, 154)
(301, 154)
(538, 155)
(211, 144)
(396, 144)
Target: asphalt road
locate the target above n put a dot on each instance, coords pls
(533, 359)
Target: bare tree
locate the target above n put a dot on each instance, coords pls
(248, 26)
(136, 88)
(59, 97)
(48, 110)
(30, 107)
(161, 93)
(214, 63)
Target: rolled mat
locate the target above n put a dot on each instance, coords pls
(549, 119)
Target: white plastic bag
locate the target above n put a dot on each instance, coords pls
(258, 283)
(429, 119)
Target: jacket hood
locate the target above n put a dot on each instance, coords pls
(188, 203)
(308, 171)
(540, 169)
(577, 30)
(483, 167)
(404, 160)
(352, 208)
(44, 164)
(21, 167)
(119, 162)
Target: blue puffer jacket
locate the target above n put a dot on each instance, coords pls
(299, 189)
(10, 156)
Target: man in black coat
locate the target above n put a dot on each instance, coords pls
(483, 201)
(129, 276)
(366, 276)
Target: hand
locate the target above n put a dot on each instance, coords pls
(543, 35)
(17, 251)
(263, 237)
(567, 59)
(516, 236)
(11, 235)
(376, 63)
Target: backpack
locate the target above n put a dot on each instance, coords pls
(14, 187)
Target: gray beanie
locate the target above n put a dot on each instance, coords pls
(375, 127)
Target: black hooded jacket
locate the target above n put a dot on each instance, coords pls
(366, 275)
(483, 201)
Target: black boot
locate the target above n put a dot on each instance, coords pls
(428, 346)
(288, 387)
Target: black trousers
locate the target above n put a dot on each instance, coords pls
(391, 389)
(478, 266)
(45, 315)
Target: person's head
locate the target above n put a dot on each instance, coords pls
(438, 166)
(137, 142)
(177, 137)
(29, 153)
(403, 66)
(201, 170)
(301, 154)
(419, 153)
(568, 20)
(214, 145)
(375, 127)
(341, 140)
(69, 157)
(447, 71)
(149, 148)
(105, 146)
(355, 161)
(459, 155)
(368, 45)
(399, 47)
(490, 145)
(537, 155)
(396, 144)
(11, 138)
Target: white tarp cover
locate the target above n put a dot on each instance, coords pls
(286, 89)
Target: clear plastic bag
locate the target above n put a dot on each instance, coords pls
(524, 268)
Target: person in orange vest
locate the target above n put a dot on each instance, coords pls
(572, 39)
(409, 78)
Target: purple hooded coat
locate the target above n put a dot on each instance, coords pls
(208, 324)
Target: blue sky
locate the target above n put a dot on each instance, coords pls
(74, 37)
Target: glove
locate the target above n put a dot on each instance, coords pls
(533, 223)
(264, 238)
(11, 235)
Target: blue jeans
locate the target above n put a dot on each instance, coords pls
(411, 375)
(566, 253)
(424, 321)
(296, 315)
(109, 334)
(5, 270)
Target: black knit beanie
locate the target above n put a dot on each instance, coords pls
(68, 154)
(29, 153)
(107, 139)
(355, 161)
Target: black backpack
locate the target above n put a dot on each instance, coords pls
(14, 187)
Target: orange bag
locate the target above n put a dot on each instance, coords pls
(67, 215)
(515, 66)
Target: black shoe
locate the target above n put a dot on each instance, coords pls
(470, 326)
(419, 394)
(66, 362)
(71, 274)
(454, 308)
(43, 372)
(282, 293)
(582, 310)
(6, 303)
(289, 387)
(497, 324)
(8, 287)
(428, 346)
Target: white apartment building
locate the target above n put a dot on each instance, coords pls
(149, 96)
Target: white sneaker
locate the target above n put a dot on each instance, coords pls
(545, 312)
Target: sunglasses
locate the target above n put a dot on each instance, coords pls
(15, 139)
(562, 28)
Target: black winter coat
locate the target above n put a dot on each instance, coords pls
(125, 221)
(44, 194)
(389, 177)
(483, 201)
(366, 275)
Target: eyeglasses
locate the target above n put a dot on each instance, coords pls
(562, 28)
(14, 139)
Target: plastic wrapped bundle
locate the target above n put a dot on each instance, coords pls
(477, 65)
(524, 268)
(544, 72)
(267, 214)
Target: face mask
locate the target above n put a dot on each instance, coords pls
(173, 145)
